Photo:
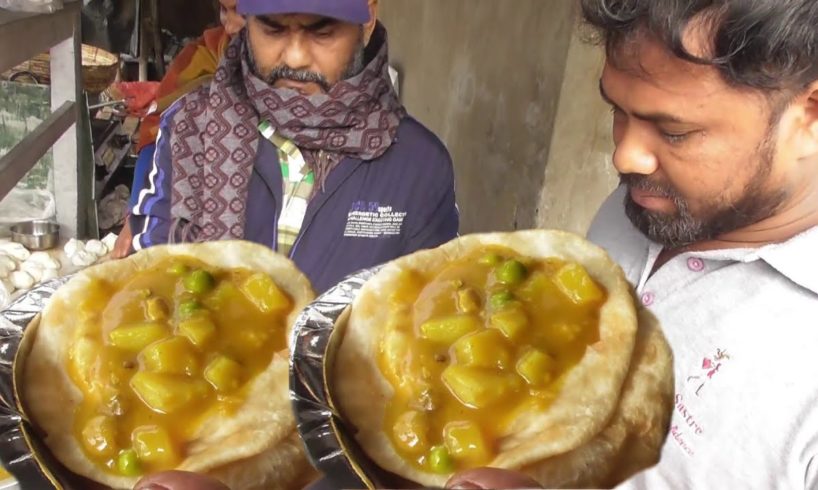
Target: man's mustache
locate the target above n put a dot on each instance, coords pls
(284, 72)
(643, 183)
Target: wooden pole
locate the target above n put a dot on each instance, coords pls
(156, 31)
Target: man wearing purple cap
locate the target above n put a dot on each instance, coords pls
(300, 143)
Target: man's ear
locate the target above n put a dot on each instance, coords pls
(369, 27)
(809, 122)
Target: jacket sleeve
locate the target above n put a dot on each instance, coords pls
(150, 216)
(437, 219)
(144, 162)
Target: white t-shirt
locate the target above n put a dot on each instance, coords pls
(743, 325)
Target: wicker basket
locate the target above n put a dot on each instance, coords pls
(99, 69)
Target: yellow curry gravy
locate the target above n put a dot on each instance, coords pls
(489, 337)
(157, 355)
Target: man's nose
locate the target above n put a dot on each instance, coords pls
(297, 54)
(633, 155)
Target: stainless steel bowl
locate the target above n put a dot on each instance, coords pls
(37, 234)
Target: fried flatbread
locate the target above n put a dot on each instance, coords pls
(633, 440)
(248, 447)
(589, 398)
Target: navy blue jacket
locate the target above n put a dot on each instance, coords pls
(370, 212)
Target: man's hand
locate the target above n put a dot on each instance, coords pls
(179, 480)
(491, 478)
(122, 247)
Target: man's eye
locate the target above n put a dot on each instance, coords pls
(675, 137)
(323, 33)
(273, 31)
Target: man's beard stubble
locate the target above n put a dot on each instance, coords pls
(683, 228)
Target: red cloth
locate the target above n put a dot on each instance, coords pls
(138, 95)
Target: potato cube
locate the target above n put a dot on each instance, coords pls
(154, 446)
(83, 357)
(137, 336)
(99, 436)
(199, 329)
(411, 432)
(479, 388)
(225, 294)
(537, 288)
(512, 322)
(487, 349)
(265, 294)
(446, 330)
(468, 301)
(466, 443)
(394, 350)
(172, 356)
(224, 374)
(575, 282)
(166, 393)
(156, 309)
(536, 367)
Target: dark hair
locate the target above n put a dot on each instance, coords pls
(769, 45)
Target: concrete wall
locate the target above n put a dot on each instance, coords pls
(486, 76)
(579, 174)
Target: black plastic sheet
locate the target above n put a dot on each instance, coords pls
(20, 449)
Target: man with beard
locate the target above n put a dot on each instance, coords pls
(715, 123)
(715, 106)
(300, 143)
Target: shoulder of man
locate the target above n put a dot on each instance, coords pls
(419, 146)
(796, 260)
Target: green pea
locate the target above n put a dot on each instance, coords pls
(199, 282)
(500, 299)
(490, 259)
(178, 269)
(440, 461)
(128, 463)
(511, 272)
(187, 309)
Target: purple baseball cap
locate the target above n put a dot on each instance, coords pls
(352, 11)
